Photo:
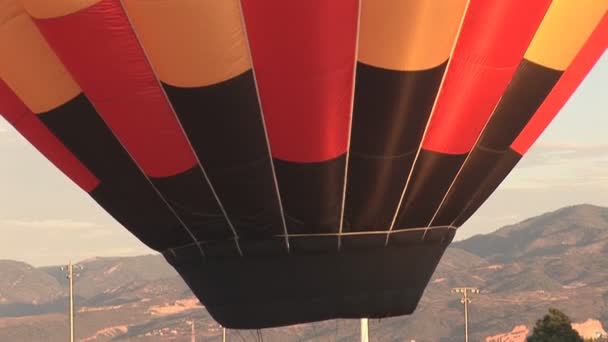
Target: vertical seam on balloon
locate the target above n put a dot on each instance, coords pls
(445, 196)
(143, 173)
(257, 91)
(22, 116)
(407, 181)
(172, 251)
(584, 49)
(479, 137)
(350, 125)
(236, 237)
(507, 149)
(132, 159)
(158, 193)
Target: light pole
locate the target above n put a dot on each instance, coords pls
(70, 275)
(192, 331)
(464, 291)
(364, 330)
(223, 333)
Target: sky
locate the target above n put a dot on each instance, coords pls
(47, 220)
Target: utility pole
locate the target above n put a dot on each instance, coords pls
(364, 330)
(192, 333)
(464, 292)
(70, 275)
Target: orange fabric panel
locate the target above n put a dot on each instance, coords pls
(593, 49)
(55, 8)
(408, 34)
(28, 65)
(564, 30)
(191, 43)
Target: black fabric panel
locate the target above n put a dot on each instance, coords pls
(406, 237)
(224, 124)
(189, 194)
(528, 89)
(491, 159)
(303, 245)
(293, 289)
(225, 248)
(433, 174)
(124, 192)
(478, 166)
(263, 247)
(391, 109)
(141, 211)
(374, 187)
(354, 242)
(459, 210)
(439, 234)
(190, 251)
(433, 234)
(311, 194)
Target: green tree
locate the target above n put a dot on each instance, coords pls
(554, 327)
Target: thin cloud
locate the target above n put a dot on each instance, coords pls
(8, 135)
(580, 169)
(603, 164)
(598, 182)
(4, 125)
(83, 229)
(498, 218)
(124, 251)
(62, 224)
(566, 146)
(4, 130)
(562, 153)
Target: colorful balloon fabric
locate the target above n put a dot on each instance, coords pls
(299, 160)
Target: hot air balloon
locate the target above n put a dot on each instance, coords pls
(294, 161)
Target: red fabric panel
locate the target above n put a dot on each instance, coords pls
(593, 49)
(492, 43)
(100, 49)
(303, 55)
(32, 129)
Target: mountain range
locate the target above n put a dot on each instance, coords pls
(558, 259)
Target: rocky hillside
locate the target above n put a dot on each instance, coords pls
(558, 259)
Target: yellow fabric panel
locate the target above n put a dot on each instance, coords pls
(28, 65)
(408, 34)
(55, 8)
(564, 30)
(191, 43)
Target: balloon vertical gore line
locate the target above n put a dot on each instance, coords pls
(350, 126)
(443, 78)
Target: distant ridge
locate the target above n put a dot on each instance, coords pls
(557, 259)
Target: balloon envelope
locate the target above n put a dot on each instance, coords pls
(295, 161)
